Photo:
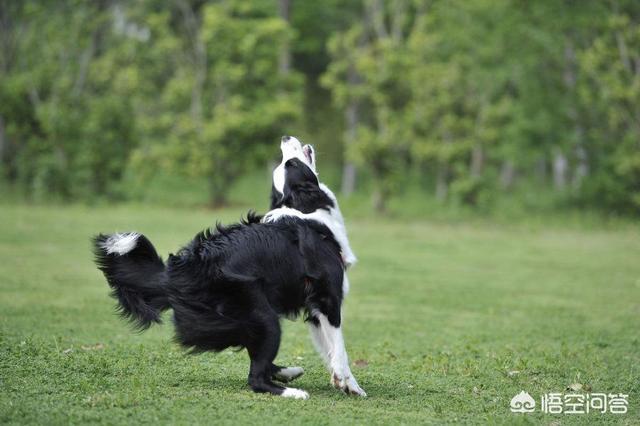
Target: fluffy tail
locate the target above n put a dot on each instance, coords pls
(136, 274)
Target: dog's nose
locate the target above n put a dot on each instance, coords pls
(285, 138)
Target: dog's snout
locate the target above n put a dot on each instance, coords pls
(285, 138)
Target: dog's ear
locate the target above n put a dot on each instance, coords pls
(306, 197)
(323, 267)
(320, 254)
(308, 245)
(301, 189)
(276, 198)
(295, 194)
(287, 197)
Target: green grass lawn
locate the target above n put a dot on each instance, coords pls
(444, 323)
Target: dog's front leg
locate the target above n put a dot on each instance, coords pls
(320, 342)
(330, 344)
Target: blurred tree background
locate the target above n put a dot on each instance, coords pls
(457, 102)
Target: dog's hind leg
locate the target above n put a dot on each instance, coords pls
(321, 342)
(285, 374)
(263, 349)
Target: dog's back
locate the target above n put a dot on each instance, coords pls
(223, 282)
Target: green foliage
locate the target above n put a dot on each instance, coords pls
(524, 88)
(69, 131)
(248, 104)
(610, 91)
(480, 100)
(367, 69)
(194, 88)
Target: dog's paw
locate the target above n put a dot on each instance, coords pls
(288, 374)
(294, 393)
(347, 384)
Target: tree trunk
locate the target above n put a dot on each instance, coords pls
(560, 165)
(199, 57)
(3, 144)
(7, 38)
(348, 178)
(623, 52)
(284, 60)
(379, 202)
(352, 116)
(398, 20)
(376, 16)
(198, 86)
(217, 194)
(541, 170)
(581, 169)
(379, 196)
(442, 182)
(582, 162)
(507, 174)
(477, 153)
(218, 199)
(477, 160)
(85, 61)
(442, 177)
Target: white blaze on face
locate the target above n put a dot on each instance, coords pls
(292, 148)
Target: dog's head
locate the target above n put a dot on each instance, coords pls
(295, 180)
(292, 148)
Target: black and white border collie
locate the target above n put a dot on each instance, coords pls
(307, 203)
(230, 286)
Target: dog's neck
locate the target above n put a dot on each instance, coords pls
(331, 218)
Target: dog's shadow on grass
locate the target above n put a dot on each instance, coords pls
(317, 391)
(374, 392)
(316, 387)
(234, 383)
(211, 382)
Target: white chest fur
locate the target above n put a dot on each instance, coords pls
(331, 219)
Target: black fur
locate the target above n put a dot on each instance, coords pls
(138, 281)
(229, 287)
(301, 189)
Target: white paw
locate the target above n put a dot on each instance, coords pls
(347, 384)
(294, 393)
(288, 374)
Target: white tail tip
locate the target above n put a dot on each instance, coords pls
(121, 244)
